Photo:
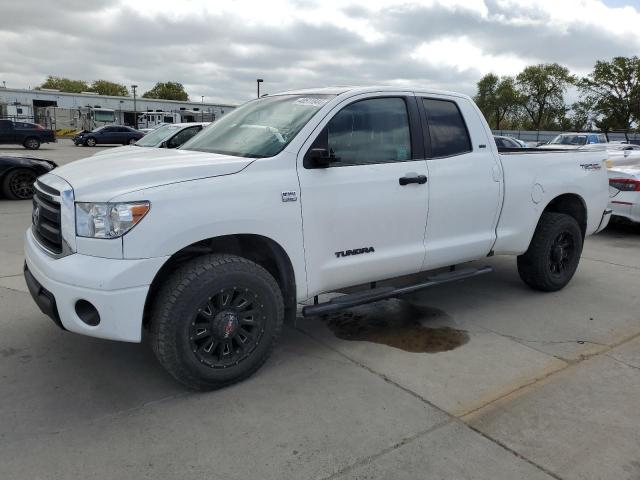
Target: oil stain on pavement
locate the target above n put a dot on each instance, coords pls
(399, 325)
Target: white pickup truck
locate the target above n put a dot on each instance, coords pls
(211, 247)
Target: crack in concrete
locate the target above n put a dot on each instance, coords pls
(622, 362)
(610, 263)
(369, 458)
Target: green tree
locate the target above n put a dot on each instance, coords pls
(581, 117)
(496, 98)
(65, 84)
(541, 90)
(105, 87)
(613, 91)
(167, 91)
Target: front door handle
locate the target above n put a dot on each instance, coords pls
(419, 179)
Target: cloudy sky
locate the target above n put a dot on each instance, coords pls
(218, 49)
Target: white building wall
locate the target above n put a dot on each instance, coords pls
(9, 96)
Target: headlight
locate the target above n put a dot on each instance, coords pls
(108, 220)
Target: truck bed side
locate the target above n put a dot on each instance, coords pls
(534, 178)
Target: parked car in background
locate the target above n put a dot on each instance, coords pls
(575, 140)
(17, 174)
(29, 135)
(151, 128)
(622, 154)
(110, 134)
(624, 192)
(508, 142)
(171, 135)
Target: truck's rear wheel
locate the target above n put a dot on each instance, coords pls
(554, 253)
(215, 321)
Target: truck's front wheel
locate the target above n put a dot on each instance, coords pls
(215, 321)
(554, 253)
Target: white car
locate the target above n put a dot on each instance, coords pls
(624, 191)
(210, 247)
(623, 154)
(574, 141)
(171, 135)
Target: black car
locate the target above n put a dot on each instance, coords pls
(17, 174)
(29, 135)
(108, 134)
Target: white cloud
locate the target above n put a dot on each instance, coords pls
(218, 49)
(461, 54)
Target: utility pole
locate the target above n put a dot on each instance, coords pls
(135, 110)
(202, 109)
(259, 81)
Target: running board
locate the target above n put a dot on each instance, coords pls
(381, 293)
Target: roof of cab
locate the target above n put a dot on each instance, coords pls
(353, 89)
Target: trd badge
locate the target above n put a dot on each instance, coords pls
(290, 196)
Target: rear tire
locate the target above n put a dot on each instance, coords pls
(554, 253)
(215, 321)
(18, 184)
(31, 143)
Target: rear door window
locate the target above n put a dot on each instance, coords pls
(447, 130)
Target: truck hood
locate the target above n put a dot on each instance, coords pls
(103, 177)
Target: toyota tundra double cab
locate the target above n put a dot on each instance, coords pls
(211, 247)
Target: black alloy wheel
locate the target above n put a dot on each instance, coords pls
(18, 184)
(227, 328)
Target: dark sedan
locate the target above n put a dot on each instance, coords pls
(17, 174)
(109, 134)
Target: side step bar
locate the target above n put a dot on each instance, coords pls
(381, 293)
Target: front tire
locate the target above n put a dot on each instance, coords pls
(554, 253)
(132, 141)
(216, 320)
(18, 184)
(31, 143)
(90, 142)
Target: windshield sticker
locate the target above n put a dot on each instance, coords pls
(312, 102)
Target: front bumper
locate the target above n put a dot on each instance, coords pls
(116, 288)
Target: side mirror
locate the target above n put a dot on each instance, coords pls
(163, 144)
(320, 158)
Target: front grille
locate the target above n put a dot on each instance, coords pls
(46, 218)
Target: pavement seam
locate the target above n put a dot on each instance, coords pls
(9, 276)
(515, 452)
(370, 458)
(424, 400)
(568, 363)
(112, 416)
(610, 263)
(622, 361)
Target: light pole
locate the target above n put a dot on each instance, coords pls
(135, 110)
(202, 109)
(259, 81)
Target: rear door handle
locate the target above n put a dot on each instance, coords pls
(419, 179)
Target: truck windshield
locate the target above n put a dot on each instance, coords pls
(569, 140)
(260, 128)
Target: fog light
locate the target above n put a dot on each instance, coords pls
(87, 313)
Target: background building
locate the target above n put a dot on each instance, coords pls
(71, 111)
